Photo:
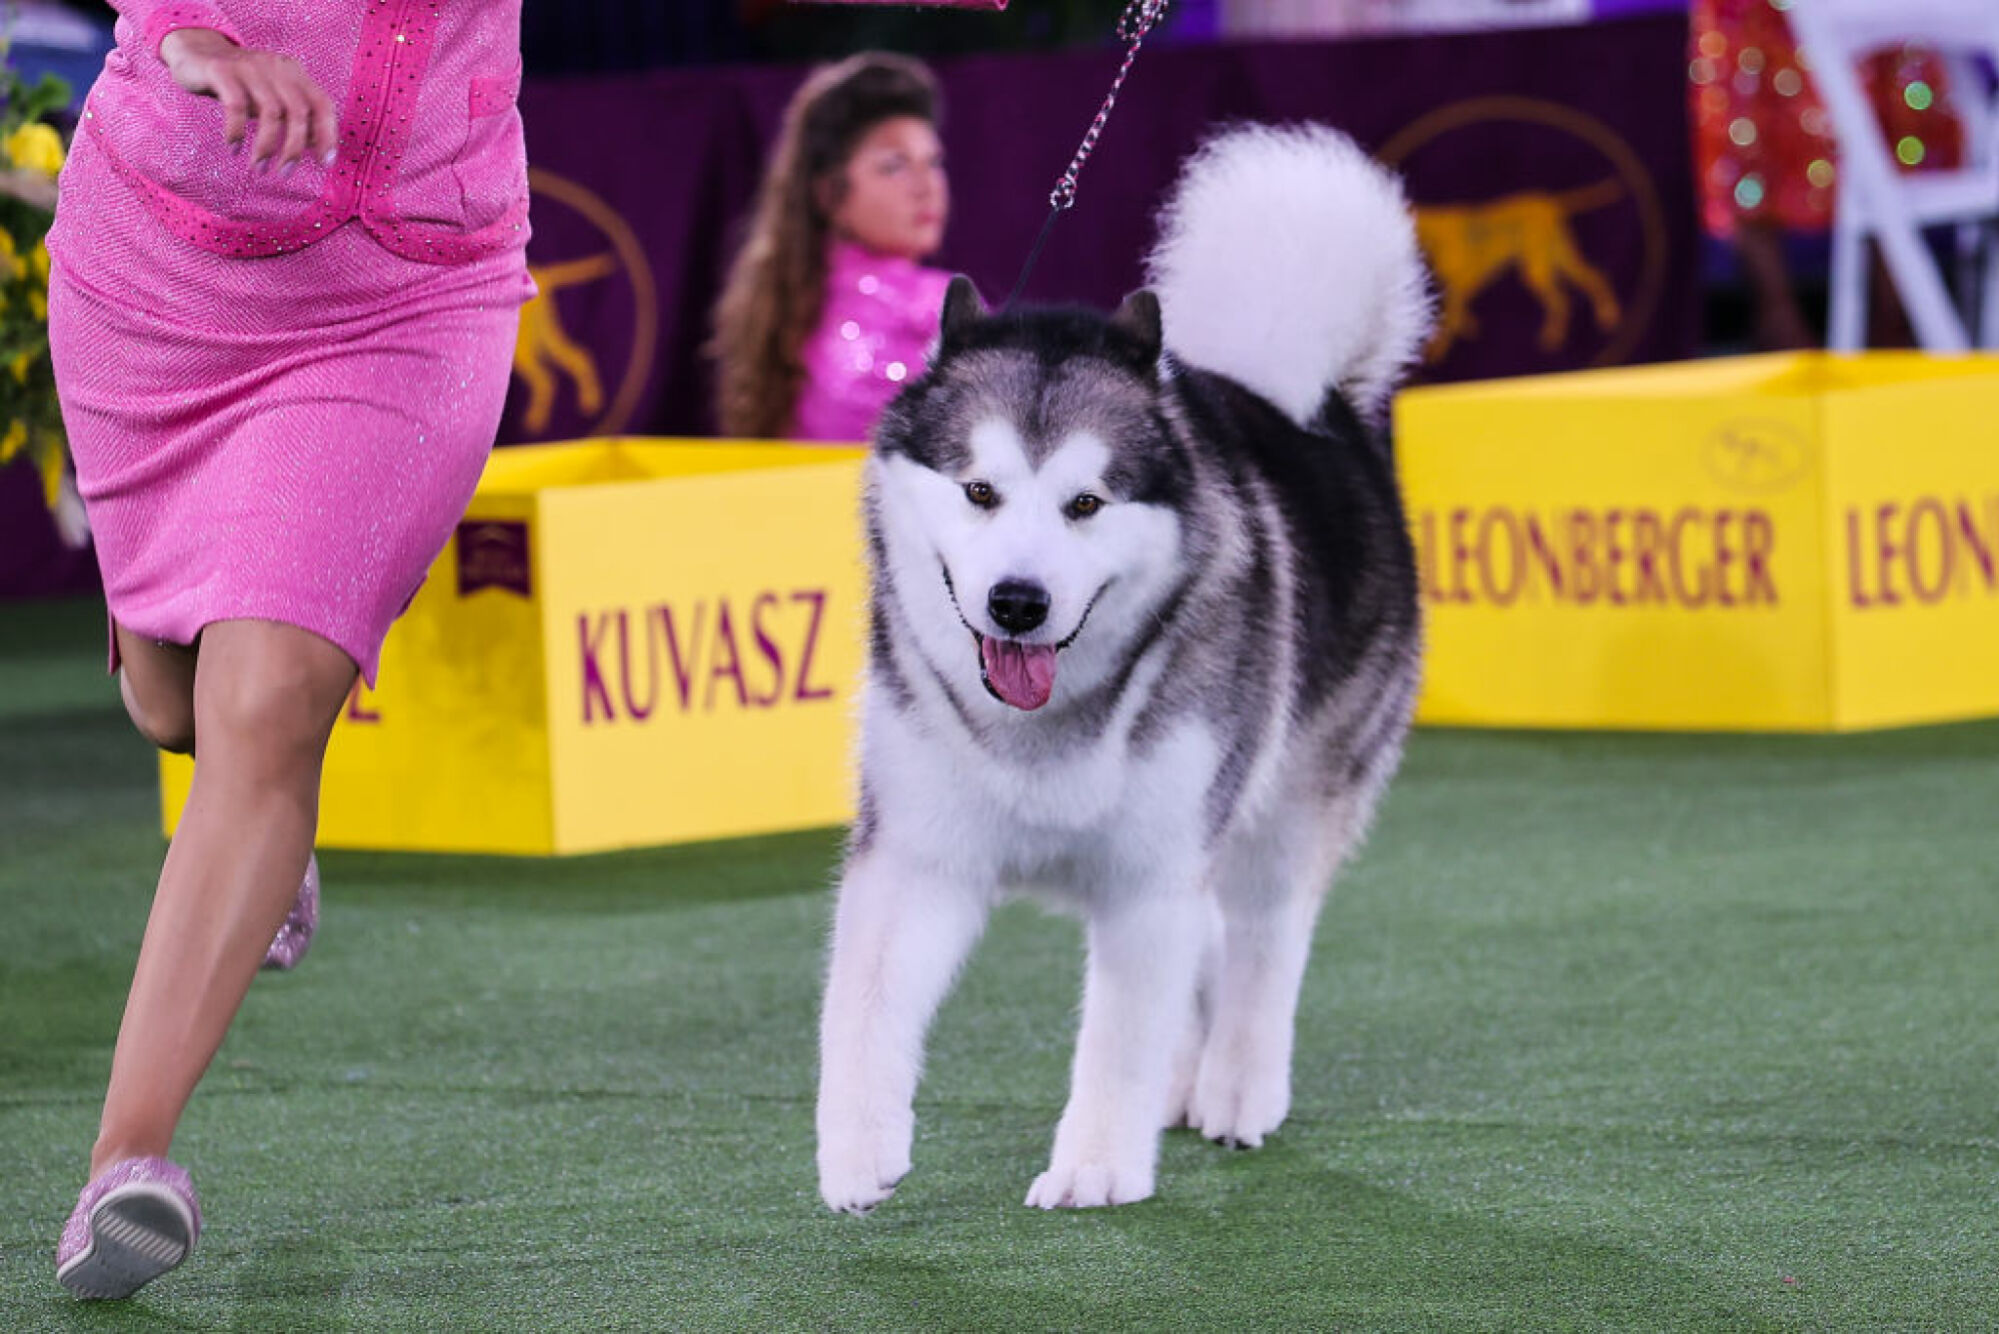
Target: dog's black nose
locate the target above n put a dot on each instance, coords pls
(1017, 606)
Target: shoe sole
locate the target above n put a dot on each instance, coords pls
(137, 1233)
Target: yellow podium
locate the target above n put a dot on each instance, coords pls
(1786, 542)
(626, 642)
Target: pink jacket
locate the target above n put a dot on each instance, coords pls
(874, 337)
(431, 158)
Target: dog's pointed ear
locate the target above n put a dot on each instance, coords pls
(962, 308)
(1139, 319)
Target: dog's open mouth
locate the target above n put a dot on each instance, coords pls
(1022, 675)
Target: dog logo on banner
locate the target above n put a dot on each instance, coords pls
(558, 371)
(1531, 240)
(1471, 247)
(544, 348)
(1757, 457)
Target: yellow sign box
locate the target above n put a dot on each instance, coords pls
(627, 642)
(1785, 542)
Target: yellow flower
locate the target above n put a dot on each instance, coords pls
(41, 262)
(39, 304)
(11, 267)
(21, 363)
(53, 466)
(14, 441)
(36, 147)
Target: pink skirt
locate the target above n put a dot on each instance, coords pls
(286, 439)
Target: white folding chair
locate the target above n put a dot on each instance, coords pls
(1878, 200)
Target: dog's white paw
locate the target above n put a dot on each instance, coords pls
(859, 1171)
(856, 1187)
(1238, 1099)
(1089, 1185)
(854, 1193)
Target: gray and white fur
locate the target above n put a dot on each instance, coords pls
(1144, 643)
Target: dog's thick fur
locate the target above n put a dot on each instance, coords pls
(1145, 641)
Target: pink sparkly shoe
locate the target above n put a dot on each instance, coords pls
(136, 1221)
(294, 938)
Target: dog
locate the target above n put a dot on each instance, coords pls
(1144, 642)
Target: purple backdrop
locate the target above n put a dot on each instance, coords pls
(1611, 9)
(1550, 167)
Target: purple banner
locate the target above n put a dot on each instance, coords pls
(1615, 9)
(33, 560)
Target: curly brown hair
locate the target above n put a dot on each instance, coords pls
(776, 288)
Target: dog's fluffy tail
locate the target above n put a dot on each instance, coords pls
(1287, 260)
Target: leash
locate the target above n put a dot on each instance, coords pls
(1138, 19)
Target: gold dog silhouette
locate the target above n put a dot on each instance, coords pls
(1471, 245)
(544, 347)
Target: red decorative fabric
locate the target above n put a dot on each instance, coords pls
(1763, 143)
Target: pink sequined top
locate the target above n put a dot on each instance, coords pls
(431, 159)
(874, 336)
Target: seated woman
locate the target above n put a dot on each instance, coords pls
(829, 308)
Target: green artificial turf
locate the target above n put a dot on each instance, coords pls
(1602, 1032)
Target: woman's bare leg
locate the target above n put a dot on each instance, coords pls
(265, 699)
(157, 682)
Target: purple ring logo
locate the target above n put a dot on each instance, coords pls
(493, 553)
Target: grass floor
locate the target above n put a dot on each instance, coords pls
(1602, 1032)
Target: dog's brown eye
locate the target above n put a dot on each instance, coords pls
(981, 494)
(1083, 506)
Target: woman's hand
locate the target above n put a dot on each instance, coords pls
(293, 115)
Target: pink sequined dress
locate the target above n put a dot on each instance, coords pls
(280, 389)
(880, 318)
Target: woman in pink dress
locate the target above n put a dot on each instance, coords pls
(287, 274)
(829, 308)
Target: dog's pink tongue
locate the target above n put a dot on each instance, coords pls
(1021, 674)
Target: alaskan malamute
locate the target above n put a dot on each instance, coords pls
(1145, 642)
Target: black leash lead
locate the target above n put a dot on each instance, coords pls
(1138, 19)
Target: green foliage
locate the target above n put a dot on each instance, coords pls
(31, 153)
